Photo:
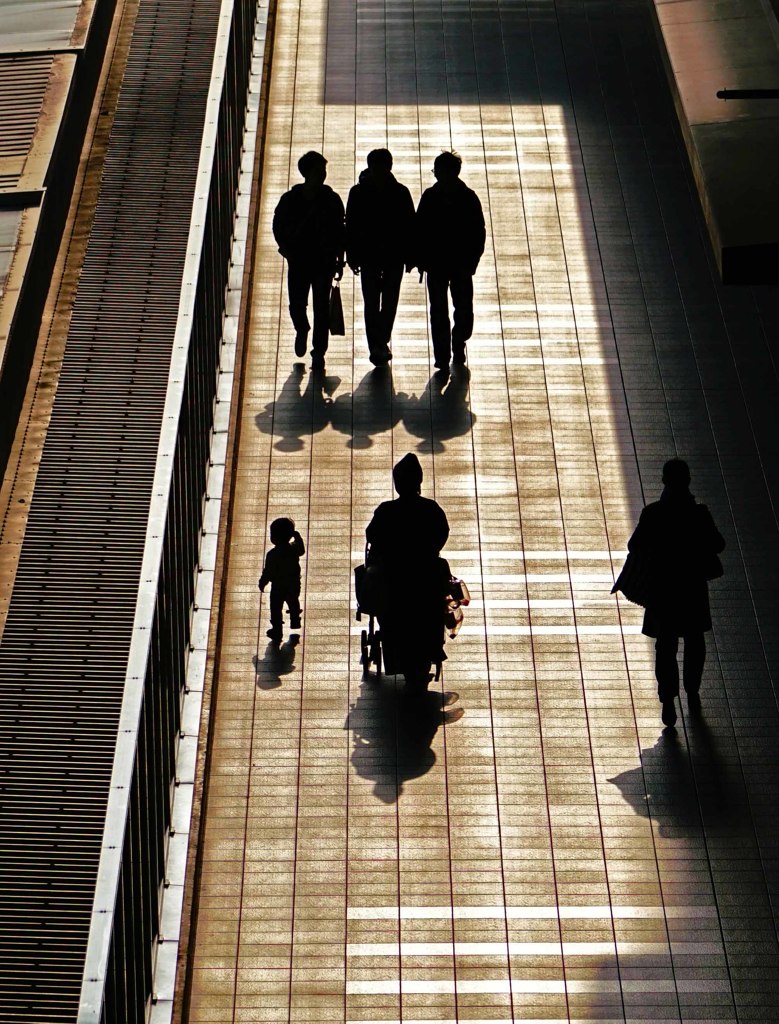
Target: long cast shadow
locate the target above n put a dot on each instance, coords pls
(392, 735)
(298, 412)
(439, 414)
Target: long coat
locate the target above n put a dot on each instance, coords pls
(406, 536)
(679, 539)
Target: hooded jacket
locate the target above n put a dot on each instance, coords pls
(309, 227)
(379, 223)
(450, 232)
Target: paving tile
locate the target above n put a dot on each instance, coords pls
(550, 854)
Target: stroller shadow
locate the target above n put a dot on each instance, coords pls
(393, 734)
(278, 661)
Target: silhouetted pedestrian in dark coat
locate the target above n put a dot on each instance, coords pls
(679, 541)
(406, 536)
(450, 236)
(379, 240)
(282, 571)
(308, 226)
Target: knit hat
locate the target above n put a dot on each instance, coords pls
(407, 475)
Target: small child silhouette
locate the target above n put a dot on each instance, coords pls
(282, 571)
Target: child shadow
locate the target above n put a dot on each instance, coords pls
(278, 661)
(393, 734)
(441, 412)
(298, 412)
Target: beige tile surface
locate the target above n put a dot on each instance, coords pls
(528, 860)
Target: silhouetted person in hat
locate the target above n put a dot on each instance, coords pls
(308, 226)
(679, 542)
(450, 236)
(406, 536)
(379, 239)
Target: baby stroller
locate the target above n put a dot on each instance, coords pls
(372, 593)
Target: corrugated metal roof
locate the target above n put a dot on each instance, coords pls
(9, 231)
(23, 82)
(37, 24)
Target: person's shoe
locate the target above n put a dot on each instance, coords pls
(301, 343)
(458, 355)
(669, 713)
(694, 703)
(274, 634)
(294, 623)
(380, 356)
(317, 361)
(442, 365)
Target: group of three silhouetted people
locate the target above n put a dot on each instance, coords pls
(381, 236)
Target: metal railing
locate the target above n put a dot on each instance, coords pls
(125, 922)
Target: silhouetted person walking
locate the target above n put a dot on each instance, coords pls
(406, 536)
(282, 571)
(450, 236)
(678, 542)
(308, 226)
(379, 239)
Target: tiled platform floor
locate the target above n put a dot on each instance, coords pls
(543, 853)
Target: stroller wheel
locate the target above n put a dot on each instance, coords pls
(376, 653)
(364, 656)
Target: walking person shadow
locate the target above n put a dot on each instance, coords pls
(393, 735)
(688, 789)
(278, 661)
(296, 412)
(441, 412)
(371, 409)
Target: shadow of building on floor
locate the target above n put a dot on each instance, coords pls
(393, 734)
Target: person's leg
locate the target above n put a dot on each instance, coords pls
(276, 630)
(440, 328)
(321, 282)
(462, 301)
(293, 603)
(667, 675)
(391, 279)
(370, 280)
(692, 666)
(298, 285)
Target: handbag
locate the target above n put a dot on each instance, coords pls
(336, 311)
(636, 581)
(370, 589)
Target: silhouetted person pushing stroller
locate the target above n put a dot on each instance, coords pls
(308, 226)
(450, 237)
(379, 240)
(405, 537)
(678, 543)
